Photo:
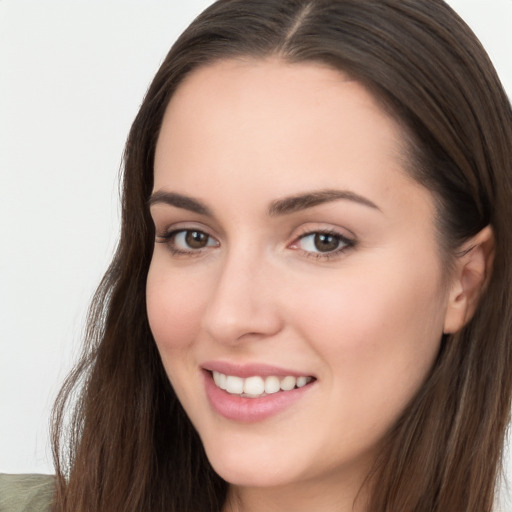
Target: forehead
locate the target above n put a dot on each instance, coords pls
(270, 127)
(271, 90)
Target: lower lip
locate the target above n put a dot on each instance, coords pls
(247, 410)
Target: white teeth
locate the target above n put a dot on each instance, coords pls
(256, 386)
(272, 385)
(234, 385)
(220, 380)
(302, 381)
(288, 383)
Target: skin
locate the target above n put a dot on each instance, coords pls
(365, 322)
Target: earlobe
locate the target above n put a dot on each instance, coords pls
(473, 268)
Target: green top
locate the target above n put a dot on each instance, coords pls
(26, 493)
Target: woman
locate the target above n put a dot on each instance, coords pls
(310, 304)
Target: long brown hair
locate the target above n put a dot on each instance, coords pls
(129, 446)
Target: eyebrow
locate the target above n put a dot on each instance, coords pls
(278, 207)
(179, 201)
(308, 200)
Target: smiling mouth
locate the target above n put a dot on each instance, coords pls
(256, 386)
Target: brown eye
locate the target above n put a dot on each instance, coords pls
(187, 241)
(318, 243)
(196, 239)
(325, 242)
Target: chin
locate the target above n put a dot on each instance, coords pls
(244, 475)
(257, 466)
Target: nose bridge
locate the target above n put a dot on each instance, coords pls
(242, 300)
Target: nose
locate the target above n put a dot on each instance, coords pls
(243, 302)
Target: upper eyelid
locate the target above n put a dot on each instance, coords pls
(167, 228)
(165, 220)
(168, 234)
(348, 240)
(305, 229)
(324, 228)
(325, 232)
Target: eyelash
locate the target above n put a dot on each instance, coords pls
(170, 240)
(347, 243)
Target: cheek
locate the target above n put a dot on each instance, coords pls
(174, 308)
(379, 338)
(369, 313)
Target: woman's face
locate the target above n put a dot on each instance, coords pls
(292, 251)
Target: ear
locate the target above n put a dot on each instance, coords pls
(473, 268)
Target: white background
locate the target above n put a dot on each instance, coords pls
(72, 75)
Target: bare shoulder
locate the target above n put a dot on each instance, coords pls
(26, 493)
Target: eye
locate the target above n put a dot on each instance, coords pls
(323, 243)
(191, 239)
(185, 241)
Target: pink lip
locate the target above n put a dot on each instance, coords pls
(249, 370)
(249, 410)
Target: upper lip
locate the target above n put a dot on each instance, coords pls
(251, 369)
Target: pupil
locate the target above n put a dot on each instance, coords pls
(196, 239)
(325, 243)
